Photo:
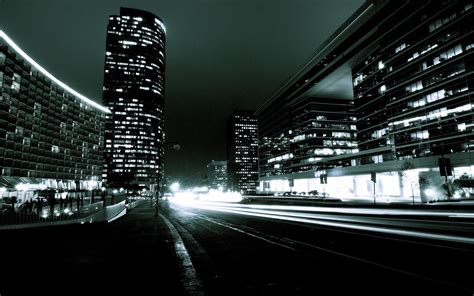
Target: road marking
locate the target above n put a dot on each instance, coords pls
(249, 234)
(385, 230)
(189, 279)
(374, 263)
(276, 241)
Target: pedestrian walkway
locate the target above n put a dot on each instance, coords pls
(134, 255)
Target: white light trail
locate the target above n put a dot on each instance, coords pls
(361, 223)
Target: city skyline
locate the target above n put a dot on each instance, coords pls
(205, 46)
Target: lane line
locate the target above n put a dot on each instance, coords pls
(386, 230)
(189, 279)
(276, 241)
(249, 234)
(380, 265)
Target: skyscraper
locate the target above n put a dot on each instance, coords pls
(217, 174)
(134, 80)
(242, 152)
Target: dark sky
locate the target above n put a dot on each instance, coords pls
(221, 55)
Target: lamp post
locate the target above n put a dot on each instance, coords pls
(176, 146)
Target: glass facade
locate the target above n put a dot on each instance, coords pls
(242, 149)
(410, 102)
(50, 135)
(414, 93)
(134, 91)
(317, 129)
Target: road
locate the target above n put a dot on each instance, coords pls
(251, 250)
(210, 248)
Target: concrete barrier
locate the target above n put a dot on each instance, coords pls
(109, 214)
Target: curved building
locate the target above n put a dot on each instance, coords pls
(51, 136)
(134, 81)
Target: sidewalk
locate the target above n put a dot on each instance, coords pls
(133, 255)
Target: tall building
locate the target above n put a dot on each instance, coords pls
(217, 174)
(51, 137)
(242, 152)
(405, 71)
(134, 81)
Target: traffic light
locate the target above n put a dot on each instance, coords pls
(445, 168)
(373, 177)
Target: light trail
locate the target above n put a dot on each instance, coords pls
(363, 211)
(308, 215)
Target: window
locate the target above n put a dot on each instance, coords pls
(419, 135)
(440, 22)
(400, 48)
(55, 149)
(16, 82)
(414, 87)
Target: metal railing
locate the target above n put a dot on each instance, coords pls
(44, 214)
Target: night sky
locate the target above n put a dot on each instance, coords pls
(221, 55)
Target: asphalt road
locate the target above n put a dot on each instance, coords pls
(237, 254)
(187, 251)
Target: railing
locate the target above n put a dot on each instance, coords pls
(62, 215)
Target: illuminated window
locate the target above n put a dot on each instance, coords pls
(400, 48)
(381, 65)
(16, 82)
(55, 149)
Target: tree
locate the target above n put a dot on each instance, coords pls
(402, 173)
(123, 180)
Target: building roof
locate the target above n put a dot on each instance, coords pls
(38, 67)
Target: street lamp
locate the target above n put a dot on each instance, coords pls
(176, 146)
(175, 186)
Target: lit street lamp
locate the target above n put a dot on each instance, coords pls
(176, 146)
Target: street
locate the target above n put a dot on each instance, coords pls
(189, 250)
(264, 256)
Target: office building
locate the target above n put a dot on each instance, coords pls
(134, 81)
(217, 175)
(407, 69)
(242, 152)
(51, 137)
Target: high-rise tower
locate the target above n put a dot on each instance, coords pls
(134, 81)
(242, 151)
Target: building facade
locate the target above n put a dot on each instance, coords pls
(51, 137)
(242, 152)
(217, 175)
(407, 69)
(134, 81)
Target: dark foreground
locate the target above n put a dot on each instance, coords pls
(231, 255)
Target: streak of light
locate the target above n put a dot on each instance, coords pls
(325, 221)
(342, 210)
